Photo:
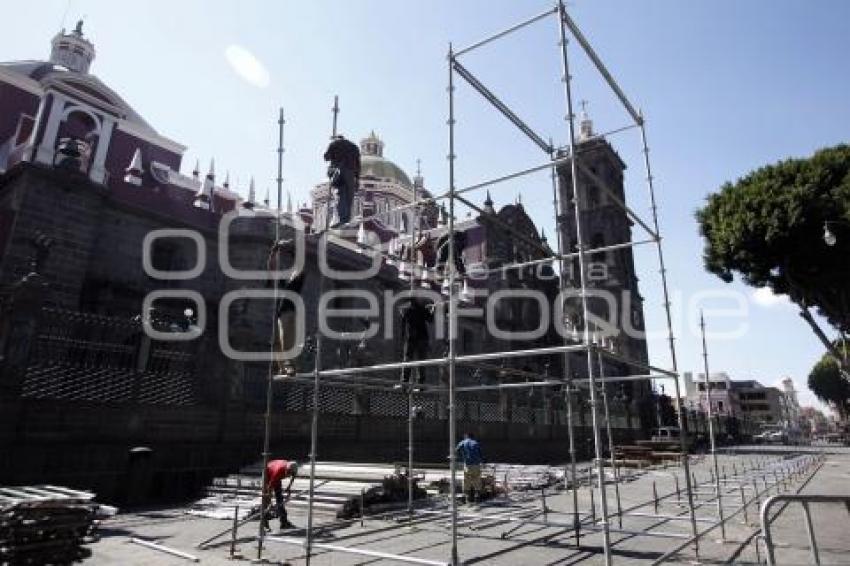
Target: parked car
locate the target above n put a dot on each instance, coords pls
(771, 436)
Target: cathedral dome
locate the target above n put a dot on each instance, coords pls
(373, 163)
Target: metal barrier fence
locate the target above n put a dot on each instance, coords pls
(804, 500)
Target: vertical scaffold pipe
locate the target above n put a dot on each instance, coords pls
(314, 423)
(269, 389)
(610, 441)
(411, 410)
(594, 413)
(570, 471)
(452, 318)
(711, 438)
(683, 425)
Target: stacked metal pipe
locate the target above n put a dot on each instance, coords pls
(45, 524)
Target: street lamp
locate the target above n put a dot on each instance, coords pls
(829, 237)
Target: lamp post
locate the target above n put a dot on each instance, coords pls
(829, 237)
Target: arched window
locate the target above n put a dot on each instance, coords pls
(76, 140)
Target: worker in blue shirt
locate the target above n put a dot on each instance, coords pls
(470, 454)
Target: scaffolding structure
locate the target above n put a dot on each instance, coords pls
(596, 354)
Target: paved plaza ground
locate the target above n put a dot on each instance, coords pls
(549, 539)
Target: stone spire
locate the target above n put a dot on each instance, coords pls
(488, 204)
(204, 198)
(444, 216)
(288, 202)
(226, 184)
(586, 124)
(252, 195)
(196, 172)
(418, 180)
(267, 201)
(545, 241)
(134, 170)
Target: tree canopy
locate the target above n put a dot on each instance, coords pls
(768, 227)
(828, 385)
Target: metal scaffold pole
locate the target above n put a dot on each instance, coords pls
(610, 440)
(570, 471)
(594, 413)
(711, 430)
(411, 409)
(452, 312)
(314, 423)
(269, 389)
(683, 425)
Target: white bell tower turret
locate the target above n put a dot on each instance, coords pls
(72, 50)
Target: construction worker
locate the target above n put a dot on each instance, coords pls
(443, 252)
(276, 472)
(285, 327)
(470, 454)
(344, 175)
(415, 317)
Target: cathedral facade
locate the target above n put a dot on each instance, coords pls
(101, 234)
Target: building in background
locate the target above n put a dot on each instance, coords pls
(748, 405)
(720, 392)
(761, 405)
(813, 423)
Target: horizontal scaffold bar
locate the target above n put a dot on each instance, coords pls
(442, 361)
(634, 363)
(505, 32)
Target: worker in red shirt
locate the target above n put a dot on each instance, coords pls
(276, 472)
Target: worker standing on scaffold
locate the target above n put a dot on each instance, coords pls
(344, 175)
(276, 472)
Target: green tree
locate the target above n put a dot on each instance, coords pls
(768, 227)
(828, 385)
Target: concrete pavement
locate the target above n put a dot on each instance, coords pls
(542, 539)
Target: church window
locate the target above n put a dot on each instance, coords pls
(78, 125)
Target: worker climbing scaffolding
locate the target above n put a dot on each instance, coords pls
(285, 323)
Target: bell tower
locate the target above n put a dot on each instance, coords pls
(616, 305)
(72, 50)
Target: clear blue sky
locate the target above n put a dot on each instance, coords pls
(726, 86)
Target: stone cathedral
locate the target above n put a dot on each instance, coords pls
(87, 187)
